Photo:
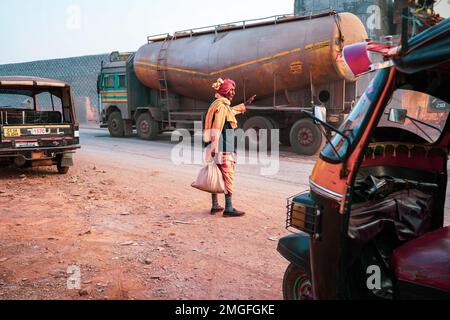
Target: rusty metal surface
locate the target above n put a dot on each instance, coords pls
(259, 59)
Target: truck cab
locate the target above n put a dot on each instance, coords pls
(112, 87)
(38, 125)
(125, 103)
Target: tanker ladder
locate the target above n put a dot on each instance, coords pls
(162, 77)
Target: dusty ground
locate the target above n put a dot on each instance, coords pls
(128, 218)
(137, 230)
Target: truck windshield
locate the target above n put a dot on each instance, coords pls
(354, 124)
(27, 107)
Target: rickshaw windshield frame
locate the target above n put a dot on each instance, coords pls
(418, 95)
(353, 126)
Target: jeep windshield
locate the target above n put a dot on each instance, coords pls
(25, 106)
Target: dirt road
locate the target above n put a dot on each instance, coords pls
(127, 217)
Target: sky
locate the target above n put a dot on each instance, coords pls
(47, 29)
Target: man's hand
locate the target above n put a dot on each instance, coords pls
(214, 150)
(250, 101)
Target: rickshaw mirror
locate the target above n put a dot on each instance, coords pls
(320, 113)
(398, 115)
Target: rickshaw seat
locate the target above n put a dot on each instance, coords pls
(425, 261)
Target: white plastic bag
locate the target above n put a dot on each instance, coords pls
(210, 179)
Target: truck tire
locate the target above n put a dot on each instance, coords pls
(297, 284)
(285, 140)
(258, 123)
(147, 127)
(276, 126)
(115, 124)
(305, 137)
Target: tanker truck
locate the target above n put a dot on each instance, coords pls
(291, 63)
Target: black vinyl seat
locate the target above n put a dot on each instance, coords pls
(53, 117)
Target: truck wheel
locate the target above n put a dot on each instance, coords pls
(284, 137)
(115, 124)
(297, 284)
(147, 127)
(276, 126)
(258, 123)
(305, 137)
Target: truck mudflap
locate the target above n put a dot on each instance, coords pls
(295, 248)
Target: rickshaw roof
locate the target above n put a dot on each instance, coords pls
(427, 50)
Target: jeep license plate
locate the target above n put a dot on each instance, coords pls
(27, 144)
(39, 131)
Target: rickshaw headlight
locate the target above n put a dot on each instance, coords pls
(301, 212)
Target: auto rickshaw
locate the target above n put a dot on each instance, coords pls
(372, 223)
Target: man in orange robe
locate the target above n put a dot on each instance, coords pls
(220, 123)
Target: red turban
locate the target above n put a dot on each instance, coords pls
(223, 87)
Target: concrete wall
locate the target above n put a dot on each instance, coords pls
(375, 14)
(80, 72)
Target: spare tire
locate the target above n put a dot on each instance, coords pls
(306, 137)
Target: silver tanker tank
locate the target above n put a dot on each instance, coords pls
(291, 63)
(284, 54)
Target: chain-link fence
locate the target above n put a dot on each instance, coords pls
(80, 72)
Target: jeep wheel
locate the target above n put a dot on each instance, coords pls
(61, 169)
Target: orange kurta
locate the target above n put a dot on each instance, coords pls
(219, 112)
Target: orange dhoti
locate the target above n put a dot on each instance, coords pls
(227, 164)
